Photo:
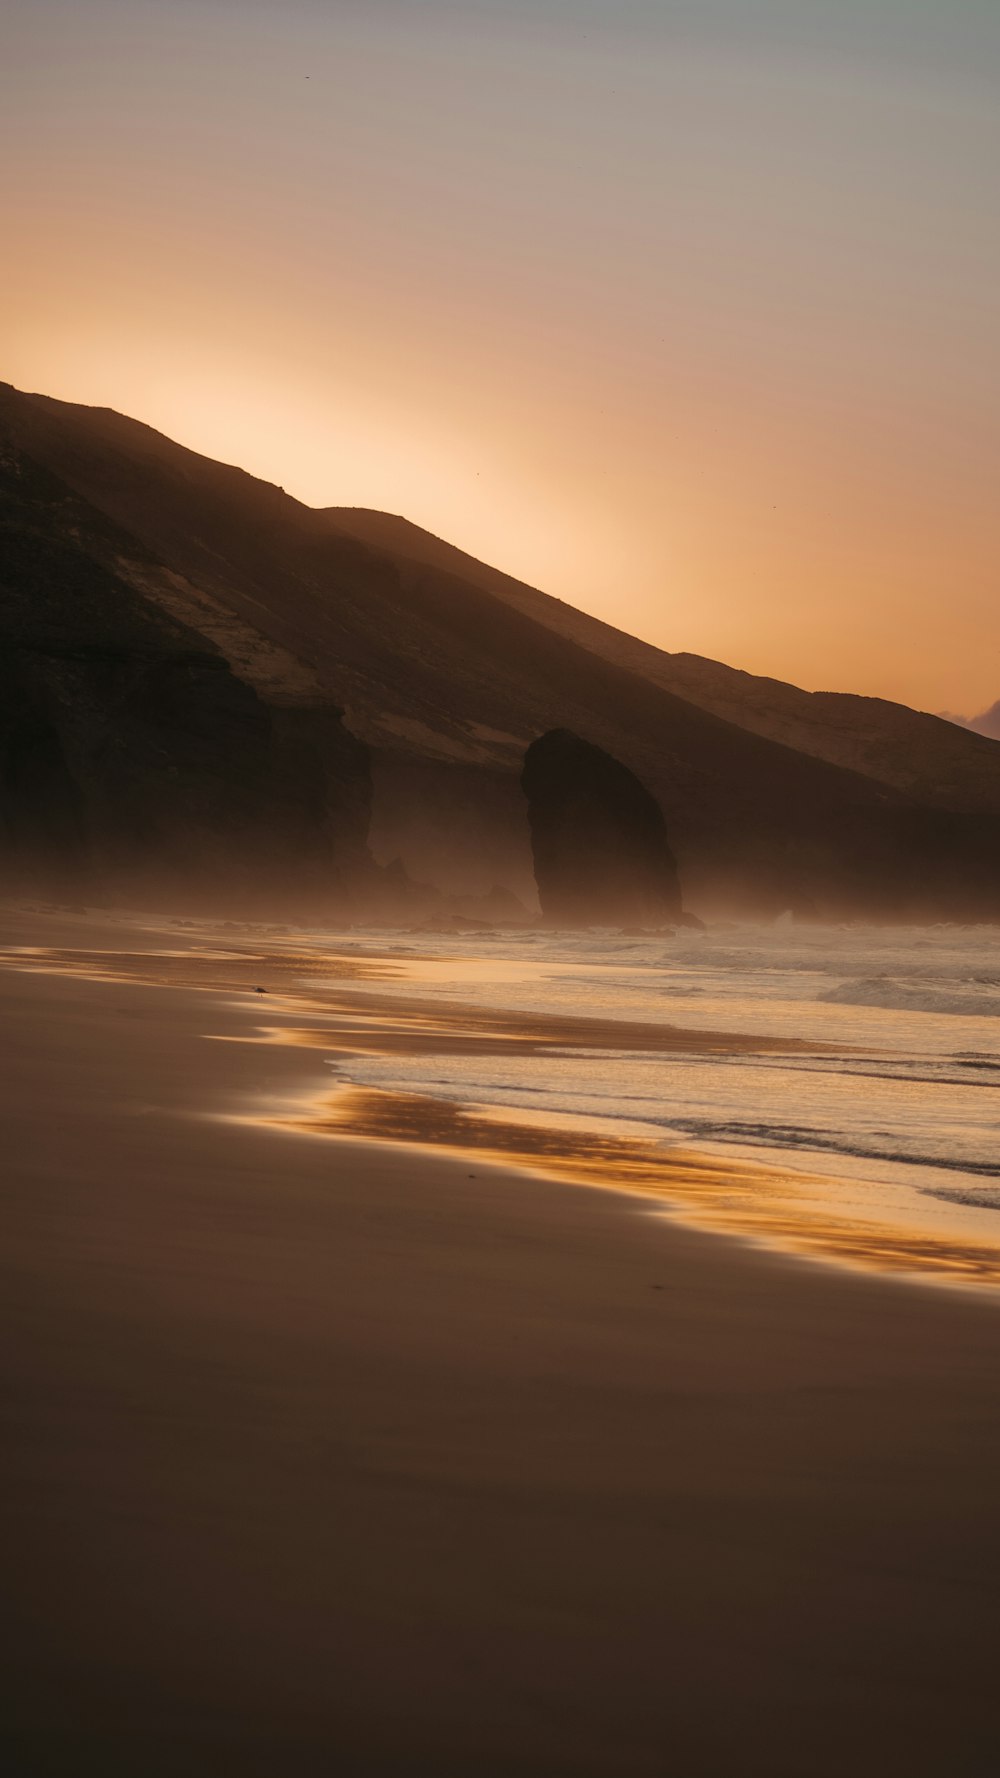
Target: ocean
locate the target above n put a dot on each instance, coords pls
(900, 1127)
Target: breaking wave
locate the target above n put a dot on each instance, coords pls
(914, 996)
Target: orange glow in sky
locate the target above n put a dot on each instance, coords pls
(683, 313)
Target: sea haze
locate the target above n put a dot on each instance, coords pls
(901, 1127)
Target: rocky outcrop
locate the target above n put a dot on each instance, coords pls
(599, 840)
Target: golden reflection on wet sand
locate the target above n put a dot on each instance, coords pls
(387, 1024)
(777, 1208)
(215, 969)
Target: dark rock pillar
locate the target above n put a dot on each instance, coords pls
(602, 857)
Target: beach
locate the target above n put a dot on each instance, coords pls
(329, 1454)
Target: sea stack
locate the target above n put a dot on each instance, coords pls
(599, 840)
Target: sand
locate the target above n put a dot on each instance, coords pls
(322, 1456)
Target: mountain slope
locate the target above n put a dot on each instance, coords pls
(926, 757)
(447, 682)
(131, 754)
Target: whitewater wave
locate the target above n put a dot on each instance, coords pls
(983, 1199)
(909, 996)
(805, 1140)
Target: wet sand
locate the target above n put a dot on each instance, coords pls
(329, 1456)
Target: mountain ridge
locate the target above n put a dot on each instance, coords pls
(878, 737)
(447, 681)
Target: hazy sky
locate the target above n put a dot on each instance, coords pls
(685, 310)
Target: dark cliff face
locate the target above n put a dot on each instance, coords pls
(599, 840)
(131, 754)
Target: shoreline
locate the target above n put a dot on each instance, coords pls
(366, 1004)
(320, 1456)
(762, 1209)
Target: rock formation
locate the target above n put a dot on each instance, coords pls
(599, 840)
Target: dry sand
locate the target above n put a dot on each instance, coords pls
(325, 1457)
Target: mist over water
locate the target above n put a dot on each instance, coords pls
(903, 1125)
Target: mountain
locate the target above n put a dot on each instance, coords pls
(412, 677)
(909, 750)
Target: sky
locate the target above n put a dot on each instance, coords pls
(683, 310)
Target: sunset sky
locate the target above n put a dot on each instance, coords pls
(684, 310)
